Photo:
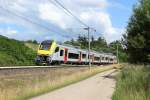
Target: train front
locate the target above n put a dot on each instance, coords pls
(45, 52)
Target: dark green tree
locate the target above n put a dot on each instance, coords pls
(100, 45)
(82, 41)
(35, 42)
(137, 38)
(121, 50)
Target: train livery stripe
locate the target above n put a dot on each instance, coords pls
(53, 47)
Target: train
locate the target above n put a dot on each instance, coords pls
(50, 52)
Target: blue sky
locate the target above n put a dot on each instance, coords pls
(121, 14)
(108, 17)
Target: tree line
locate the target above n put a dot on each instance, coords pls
(100, 45)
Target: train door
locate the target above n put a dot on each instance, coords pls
(66, 55)
(80, 57)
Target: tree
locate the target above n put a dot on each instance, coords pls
(82, 41)
(121, 51)
(137, 38)
(32, 41)
(35, 42)
(99, 45)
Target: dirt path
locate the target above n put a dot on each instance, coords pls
(98, 87)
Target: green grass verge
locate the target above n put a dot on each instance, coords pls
(62, 83)
(133, 83)
(14, 52)
(32, 46)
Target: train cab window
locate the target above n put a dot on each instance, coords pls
(57, 49)
(45, 45)
(61, 52)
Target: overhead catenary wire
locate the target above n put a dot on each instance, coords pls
(43, 26)
(87, 27)
(56, 5)
(71, 14)
(68, 11)
(33, 22)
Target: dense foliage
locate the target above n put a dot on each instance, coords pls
(133, 83)
(100, 45)
(32, 41)
(13, 52)
(121, 51)
(137, 38)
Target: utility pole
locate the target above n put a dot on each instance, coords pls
(89, 46)
(117, 54)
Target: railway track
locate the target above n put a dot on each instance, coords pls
(31, 67)
(37, 70)
(27, 67)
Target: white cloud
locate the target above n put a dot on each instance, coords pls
(102, 4)
(92, 12)
(98, 19)
(103, 24)
(50, 13)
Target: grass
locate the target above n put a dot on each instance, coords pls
(32, 46)
(34, 84)
(133, 83)
(14, 52)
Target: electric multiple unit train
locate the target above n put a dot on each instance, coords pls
(50, 52)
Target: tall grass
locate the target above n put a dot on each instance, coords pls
(133, 83)
(22, 88)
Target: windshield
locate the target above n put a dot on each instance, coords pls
(45, 45)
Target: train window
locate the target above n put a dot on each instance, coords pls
(73, 56)
(96, 58)
(111, 59)
(61, 52)
(57, 49)
(83, 56)
(106, 58)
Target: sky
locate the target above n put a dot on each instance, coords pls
(45, 19)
